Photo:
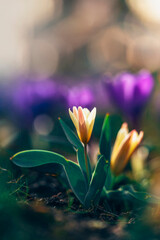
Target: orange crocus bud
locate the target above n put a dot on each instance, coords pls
(83, 120)
(125, 144)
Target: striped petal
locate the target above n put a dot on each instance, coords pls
(82, 126)
(81, 116)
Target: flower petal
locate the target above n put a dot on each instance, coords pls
(135, 141)
(90, 122)
(90, 129)
(86, 112)
(75, 112)
(83, 132)
(119, 160)
(74, 119)
(92, 115)
(81, 116)
(120, 139)
(83, 120)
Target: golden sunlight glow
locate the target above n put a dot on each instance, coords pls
(146, 10)
(18, 19)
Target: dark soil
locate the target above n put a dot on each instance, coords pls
(69, 219)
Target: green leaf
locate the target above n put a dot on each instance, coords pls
(97, 182)
(34, 158)
(114, 182)
(105, 139)
(81, 161)
(128, 192)
(72, 138)
(109, 180)
(141, 196)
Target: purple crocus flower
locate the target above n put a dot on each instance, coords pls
(33, 97)
(130, 92)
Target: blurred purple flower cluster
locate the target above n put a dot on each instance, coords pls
(130, 92)
(31, 98)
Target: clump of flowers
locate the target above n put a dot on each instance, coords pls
(92, 185)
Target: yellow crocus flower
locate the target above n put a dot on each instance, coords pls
(125, 144)
(83, 120)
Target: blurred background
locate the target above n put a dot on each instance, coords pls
(55, 54)
(78, 38)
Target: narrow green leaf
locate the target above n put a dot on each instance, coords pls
(34, 158)
(97, 182)
(72, 138)
(105, 138)
(109, 180)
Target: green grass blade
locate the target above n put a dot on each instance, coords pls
(34, 158)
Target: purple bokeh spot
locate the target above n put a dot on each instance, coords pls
(80, 96)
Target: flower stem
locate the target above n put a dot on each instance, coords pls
(86, 160)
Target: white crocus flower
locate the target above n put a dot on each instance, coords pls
(83, 120)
